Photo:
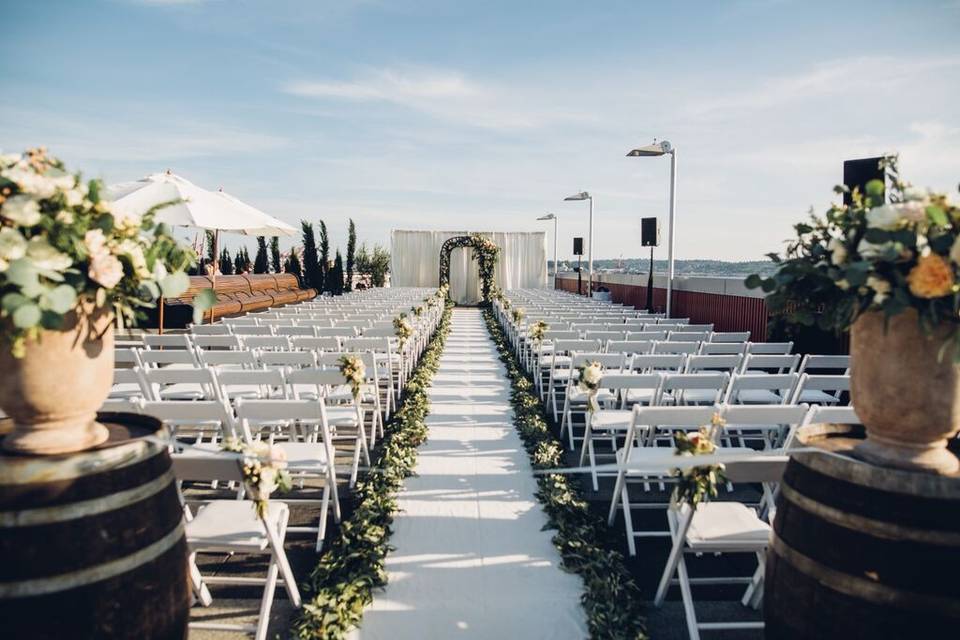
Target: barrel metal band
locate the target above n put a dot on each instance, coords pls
(83, 577)
(857, 587)
(85, 508)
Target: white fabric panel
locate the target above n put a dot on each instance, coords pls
(415, 262)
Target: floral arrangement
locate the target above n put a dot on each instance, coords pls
(888, 251)
(589, 378)
(538, 331)
(403, 329)
(417, 311)
(264, 469)
(485, 252)
(518, 315)
(63, 249)
(505, 302)
(697, 484)
(355, 373)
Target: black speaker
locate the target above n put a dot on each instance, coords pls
(857, 173)
(578, 246)
(649, 232)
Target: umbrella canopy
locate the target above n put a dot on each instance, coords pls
(213, 210)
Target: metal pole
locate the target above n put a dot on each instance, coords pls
(590, 253)
(555, 265)
(673, 224)
(579, 276)
(650, 283)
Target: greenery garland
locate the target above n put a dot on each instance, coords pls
(342, 584)
(611, 598)
(485, 252)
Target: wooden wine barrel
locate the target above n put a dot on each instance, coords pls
(92, 544)
(860, 551)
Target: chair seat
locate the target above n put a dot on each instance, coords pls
(719, 526)
(611, 419)
(232, 525)
(305, 456)
(125, 391)
(182, 391)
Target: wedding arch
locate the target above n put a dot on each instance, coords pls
(485, 252)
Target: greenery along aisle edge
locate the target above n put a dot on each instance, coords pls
(611, 598)
(342, 584)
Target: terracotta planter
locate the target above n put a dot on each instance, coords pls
(54, 391)
(907, 398)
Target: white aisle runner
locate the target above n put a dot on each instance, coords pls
(471, 560)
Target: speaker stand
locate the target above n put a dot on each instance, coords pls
(650, 283)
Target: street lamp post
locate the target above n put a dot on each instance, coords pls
(556, 270)
(660, 149)
(583, 195)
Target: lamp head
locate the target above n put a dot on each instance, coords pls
(549, 216)
(583, 195)
(656, 149)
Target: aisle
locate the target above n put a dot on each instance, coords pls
(470, 559)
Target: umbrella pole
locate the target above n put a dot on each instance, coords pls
(216, 265)
(160, 321)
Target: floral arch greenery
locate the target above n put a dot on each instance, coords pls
(485, 252)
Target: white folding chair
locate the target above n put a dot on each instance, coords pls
(817, 389)
(233, 526)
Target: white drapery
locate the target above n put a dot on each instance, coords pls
(415, 262)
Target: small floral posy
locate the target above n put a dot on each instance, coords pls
(538, 331)
(62, 245)
(264, 469)
(518, 315)
(354, 372)
(403, 329)
(698, 484)
(590, 375)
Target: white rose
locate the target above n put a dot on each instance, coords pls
(73, 197)
(105, 269)
(95, 241)
(42, 254)
(22, 210)
(12, 244)
(838, 251)
(31, 182)
(592, 374)
(871, 250)
(883, 217)
(268, 481)
(134, 252)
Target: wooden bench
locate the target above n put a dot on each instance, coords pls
(236, 295)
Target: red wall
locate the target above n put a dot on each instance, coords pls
(727, 313)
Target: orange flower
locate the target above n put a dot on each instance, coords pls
(931, 278)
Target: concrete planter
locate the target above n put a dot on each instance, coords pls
(53, 392)
(907, 397)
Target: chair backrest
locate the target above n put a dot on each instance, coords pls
(825, 364)
(730, 336)
(728, 363)
(570, 346)
(688, 336)
(830, 384)
(604, 336)
(265, 383)
(252, 330)
(153, 359)
(336, 332)
(615, 361)
(315, 322)
(245, 321)
(820, 414)
(647, 335)
(229, 342)
(225, 359)
(303, 343)
(126, 355)
(378, 345)
(275, 343)
(666, 418)
(253, 413)
(722, 348)
(319, 380)
(298, 330)
(287, 358)
(207, 466)
(210, 329)
(380, 332)
(658, 362)
(199, 379)
(616, 381)
(558, 334)
(745, 415)
(192, 413)
(130, 377)
(780, 385)
(167, 341)
(772, 348)
(706, 328)
(676, 347)
(630, 347)
(757, 363)
(678, 384)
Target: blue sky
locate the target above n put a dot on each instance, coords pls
(484, 115)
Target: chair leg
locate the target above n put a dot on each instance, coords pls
(266, 603)
(691, 614)
(324, 511)
(612, 515)
(628, 520)
(200, 590)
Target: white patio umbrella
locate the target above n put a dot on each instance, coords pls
(195, 207)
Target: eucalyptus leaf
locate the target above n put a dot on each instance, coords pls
(60, 299)
(22, 273)
(26, 316)
(202, 302)
(174, 284)
(12, 301)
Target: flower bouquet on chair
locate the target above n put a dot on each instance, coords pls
(589, 377)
